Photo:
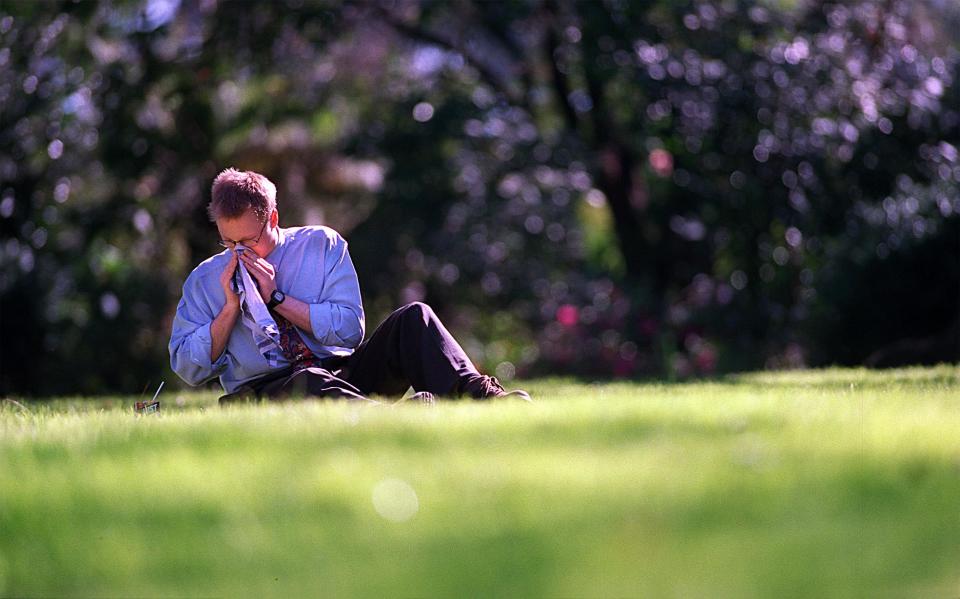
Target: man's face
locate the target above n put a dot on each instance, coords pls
(248, 231)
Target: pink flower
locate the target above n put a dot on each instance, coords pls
(662, 162)
(568, 315)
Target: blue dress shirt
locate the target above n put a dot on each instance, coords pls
(312, 264)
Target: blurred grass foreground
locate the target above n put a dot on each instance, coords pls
(820, 483)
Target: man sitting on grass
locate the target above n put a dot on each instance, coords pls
(279, 313)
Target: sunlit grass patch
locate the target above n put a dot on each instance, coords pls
(824, 483)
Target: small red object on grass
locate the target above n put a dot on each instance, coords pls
(149, 407)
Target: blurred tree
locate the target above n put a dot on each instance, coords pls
(606, 188)
(735, 146)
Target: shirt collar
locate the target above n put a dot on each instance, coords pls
(276, 252)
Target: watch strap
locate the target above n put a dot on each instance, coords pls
(276, 298)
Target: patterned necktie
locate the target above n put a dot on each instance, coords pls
(293, 346)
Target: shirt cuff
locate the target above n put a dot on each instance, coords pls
(329, 326)
(320, 322)
(201, 347)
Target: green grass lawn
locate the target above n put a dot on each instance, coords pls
(833, 483)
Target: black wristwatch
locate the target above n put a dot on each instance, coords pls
(276, 298)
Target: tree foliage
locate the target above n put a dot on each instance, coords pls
(602, 188)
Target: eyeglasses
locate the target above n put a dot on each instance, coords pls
(231, 244)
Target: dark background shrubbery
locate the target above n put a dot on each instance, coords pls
(605, 188)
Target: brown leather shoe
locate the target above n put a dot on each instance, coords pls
(488, 387)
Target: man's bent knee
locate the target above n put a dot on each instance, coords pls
(418, 310)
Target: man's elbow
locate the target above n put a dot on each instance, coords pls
(354, 335)
(351, 333)
(187, 372)
(194, 380)
(339, 326)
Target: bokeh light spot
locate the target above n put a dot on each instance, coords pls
(423, 112)
(395, 500)
(55, 149)
(568, 315)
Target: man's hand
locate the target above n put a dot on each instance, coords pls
(222, 325)
(262, 272)
(233, 300)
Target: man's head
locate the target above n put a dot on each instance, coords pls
(235, 192)
(244, 207)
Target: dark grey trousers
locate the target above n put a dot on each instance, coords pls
(411, 348)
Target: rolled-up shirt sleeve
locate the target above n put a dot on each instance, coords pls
(337, 318)
(190, 341)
